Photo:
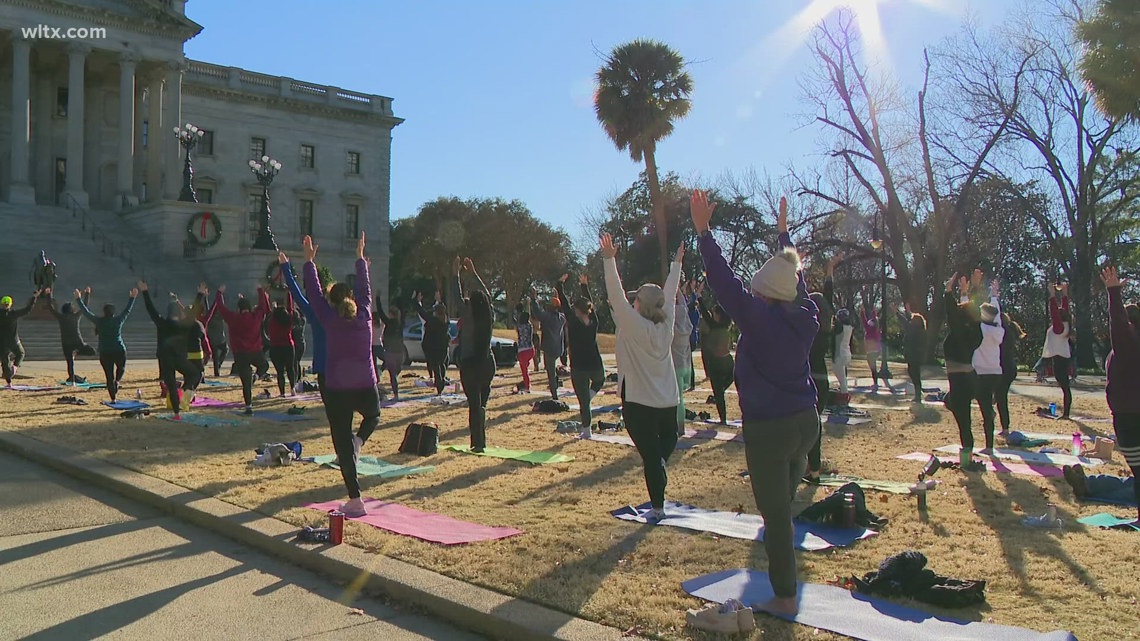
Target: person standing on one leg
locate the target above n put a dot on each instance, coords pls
(963, 337)
(647, 379)
(778, 323)
(872, 341)
(524, 333)
(281, 349)
(298, 332)
(682, 355)
(915, 345)
(586, 370)
(350, 378)
(71, 338)
(216, 334)
(109, 328)
(394, 352)
(716, 353)
(1056, 350)
(817, 359)
(173, 347)
(476, 361)
(553, 324)
(436, 339)
(11, 350)
(987, 363)
(302, 301)
(1013, 336)
(1123, 368)
(245, 337)
(844, 329)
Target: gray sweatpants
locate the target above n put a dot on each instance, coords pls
(776, 451)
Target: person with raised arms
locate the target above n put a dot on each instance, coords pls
(174, 337)
(302, 302)
(587, 373)
(109, 328)
(245, 337)
(476, 360)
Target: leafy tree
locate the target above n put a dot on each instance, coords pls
(1111, 63)
(642, 90)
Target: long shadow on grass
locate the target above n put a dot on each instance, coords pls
(997, 512)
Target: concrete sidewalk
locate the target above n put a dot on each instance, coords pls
(82, 563)
(98, 565)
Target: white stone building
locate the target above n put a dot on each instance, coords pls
(87, 111)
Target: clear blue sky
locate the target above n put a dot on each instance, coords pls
(497, 93)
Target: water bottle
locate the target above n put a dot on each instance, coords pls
(1051, 513)
(1052, 409)
(920, 492)
(138, 394)
(1076, 443)
(848, 510)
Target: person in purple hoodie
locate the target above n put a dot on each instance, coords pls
(350, 379)
(778, 322)
(1123, 369)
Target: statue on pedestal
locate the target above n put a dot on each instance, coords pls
(43, 272)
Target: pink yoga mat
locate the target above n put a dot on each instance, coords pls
(995, 465)
(427, 526)
(205, 401)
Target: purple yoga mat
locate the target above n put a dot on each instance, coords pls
(205, 401)
(427, 526)
(995, 465)
(32, 388)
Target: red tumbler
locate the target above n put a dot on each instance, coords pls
(336, 527)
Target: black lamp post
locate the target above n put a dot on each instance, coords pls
(265, 170)
(878, 245)
(188, 137)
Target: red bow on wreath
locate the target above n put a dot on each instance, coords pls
(205, 219)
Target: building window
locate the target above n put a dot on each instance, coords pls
(61, 102)
(205, 195)
(352, 222)
(256, 148)
(308, 157)
(206, 143)
(253, 214)
(145, 133)
(305, 219)
(353, 162)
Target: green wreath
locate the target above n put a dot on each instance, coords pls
(198, 229)
(274, 277)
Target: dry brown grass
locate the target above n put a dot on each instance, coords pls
(577, 558)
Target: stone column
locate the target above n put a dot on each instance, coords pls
(154, 138)
(126, 165)
(20, 191)
(164, 136)
(77, 63)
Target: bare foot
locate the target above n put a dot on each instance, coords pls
(782, 606)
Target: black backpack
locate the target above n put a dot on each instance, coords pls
(550, 406)
(421, 439)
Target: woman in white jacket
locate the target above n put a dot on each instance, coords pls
(987, 363)
(682, 354)
(647, 380)
(844, 328)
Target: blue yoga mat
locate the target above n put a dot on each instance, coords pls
(216, 383)
(861, 617)
(84, 386)
(750, 527)
(1106, 520)
(279, 417)
(126, 405)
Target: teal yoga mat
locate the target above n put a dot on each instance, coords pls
(855, 615)
(372, 466)
(535, 458)
(84, 385)
(1108, 521)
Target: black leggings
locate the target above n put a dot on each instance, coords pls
(654, 433)
(1061, 373)
(914, 370)
(10, 358)
(285, 362)
(298, 354)
(958, 401)
(173, 364)
(437, 367)
(1001, 398)
(244, 363)
(587, 382)
(476, 375)
(822, 389)
(221, 350)
(113, 365)
(340, 407)
(552, 380)
(719, 370)
(69, 352)
(986, 393)
(1127, 428)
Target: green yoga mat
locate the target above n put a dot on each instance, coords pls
(372, 466)
(84, 386)
(1106, 520)
(535, 458)
(838, 480)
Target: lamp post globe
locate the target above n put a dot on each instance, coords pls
(265, 171)
(188, 137)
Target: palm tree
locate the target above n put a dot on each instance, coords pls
(642, 89)
(1111, 64)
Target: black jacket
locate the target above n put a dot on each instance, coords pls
(583, 337)
(965, 332)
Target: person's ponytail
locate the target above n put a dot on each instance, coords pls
(340, 298)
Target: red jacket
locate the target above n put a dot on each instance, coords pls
(245, 327)
(282, 335)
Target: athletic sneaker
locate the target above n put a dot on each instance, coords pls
(354, 508)
(248, 411)
(357, 444)
(655, 516)
(716, 618)
(586, 434)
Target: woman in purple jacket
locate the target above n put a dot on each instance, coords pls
(350, 379)
(778, 322)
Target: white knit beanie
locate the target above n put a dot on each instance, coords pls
(777, 279)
